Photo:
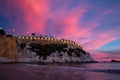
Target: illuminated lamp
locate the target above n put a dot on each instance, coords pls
(26, 37)
(0, 27)
(64, 41)
(23, 37)
(68, 41)
(76, 44)
(13, 30)
(34, 37)
(52, 39)
(27, 33)
(31, 38)
(38, 37)
(42, 38)
(45, 38)
(19, 37)
(49, 39)
(61, 40)
(73, 42)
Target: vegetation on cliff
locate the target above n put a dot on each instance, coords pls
(57, 51)
(21, 51)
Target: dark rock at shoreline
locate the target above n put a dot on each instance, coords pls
(115, 61)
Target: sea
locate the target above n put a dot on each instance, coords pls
(61, 71)
(85, 71)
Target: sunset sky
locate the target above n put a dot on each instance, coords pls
(95, 24)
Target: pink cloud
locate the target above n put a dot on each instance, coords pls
(36, 13)
(72, 24)
(99, 40)
(104, 56)
(106, 12)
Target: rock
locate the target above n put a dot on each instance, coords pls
(115, 61)
(8, 46)
(52, 53)
(36, 52)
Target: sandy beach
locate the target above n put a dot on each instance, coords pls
(43, 72)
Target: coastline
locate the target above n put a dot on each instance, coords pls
(55, 72)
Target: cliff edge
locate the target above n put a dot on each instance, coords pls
(33, 49)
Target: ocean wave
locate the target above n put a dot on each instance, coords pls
(111, 71)
(77, 69)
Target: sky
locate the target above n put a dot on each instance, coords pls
(94, 24)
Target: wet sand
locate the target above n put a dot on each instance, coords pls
(43, 72)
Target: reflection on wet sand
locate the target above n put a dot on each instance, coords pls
(41, 72)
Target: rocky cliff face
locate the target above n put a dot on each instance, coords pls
(20, 51)
(8, 47)
(31, 52)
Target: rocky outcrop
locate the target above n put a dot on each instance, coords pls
(30, 52)
(115, 61)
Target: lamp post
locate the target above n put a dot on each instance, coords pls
(13, 31)
(0, 27)
(33, 35)
(27, 33)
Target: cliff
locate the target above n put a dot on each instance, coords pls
(37, 49)
(8, 46)
(31, 52)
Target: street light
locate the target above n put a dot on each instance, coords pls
(0, 27)
(19, 37)
(27, 33)
(13, 31)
